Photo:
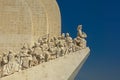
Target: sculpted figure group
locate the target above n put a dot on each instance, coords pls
(44, 49)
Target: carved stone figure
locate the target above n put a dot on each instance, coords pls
(52, 49)
(56, 41)
(45, 46)
(62, 47)
(37, 51)
(24, 57)
(34, 61)
(5, 70)
(80, 33)
(46, 55)
(81, 38)
(11, 62)
(58, 52)
(69, 42)
(68, 39)
(63, 39)
(83, 43)
(0, 66)
(30, 58)
(18, 65)
(42, 51)
(63, 36)
(77, 43)
(51, 43)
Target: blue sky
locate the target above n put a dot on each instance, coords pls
(101, 21)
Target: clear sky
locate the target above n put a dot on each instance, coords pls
(101, 21)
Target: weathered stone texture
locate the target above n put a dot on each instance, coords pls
(63, 68)
(24, 21)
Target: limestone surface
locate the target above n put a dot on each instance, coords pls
(24, 21)
(31, 44)
(63, 68)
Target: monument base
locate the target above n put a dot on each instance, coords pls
(63, 68)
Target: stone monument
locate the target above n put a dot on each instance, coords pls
(24, 21)
(32, 46)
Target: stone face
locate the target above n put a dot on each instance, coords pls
(24, 21)
(63, 68)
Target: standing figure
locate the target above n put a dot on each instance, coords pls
(51, 43)
(56, 41)
(11, 62)
(58, 52)
(18, 66)
(63, 39)
(45, 48)
(45, 45)
(30, 58)
(24, 57)
(62, 48)
(37, 51)
(69, 42)
(0, 66)
(52, 49)
(5, 70)
(63, 44)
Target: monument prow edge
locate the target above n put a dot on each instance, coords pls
(63, 68)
